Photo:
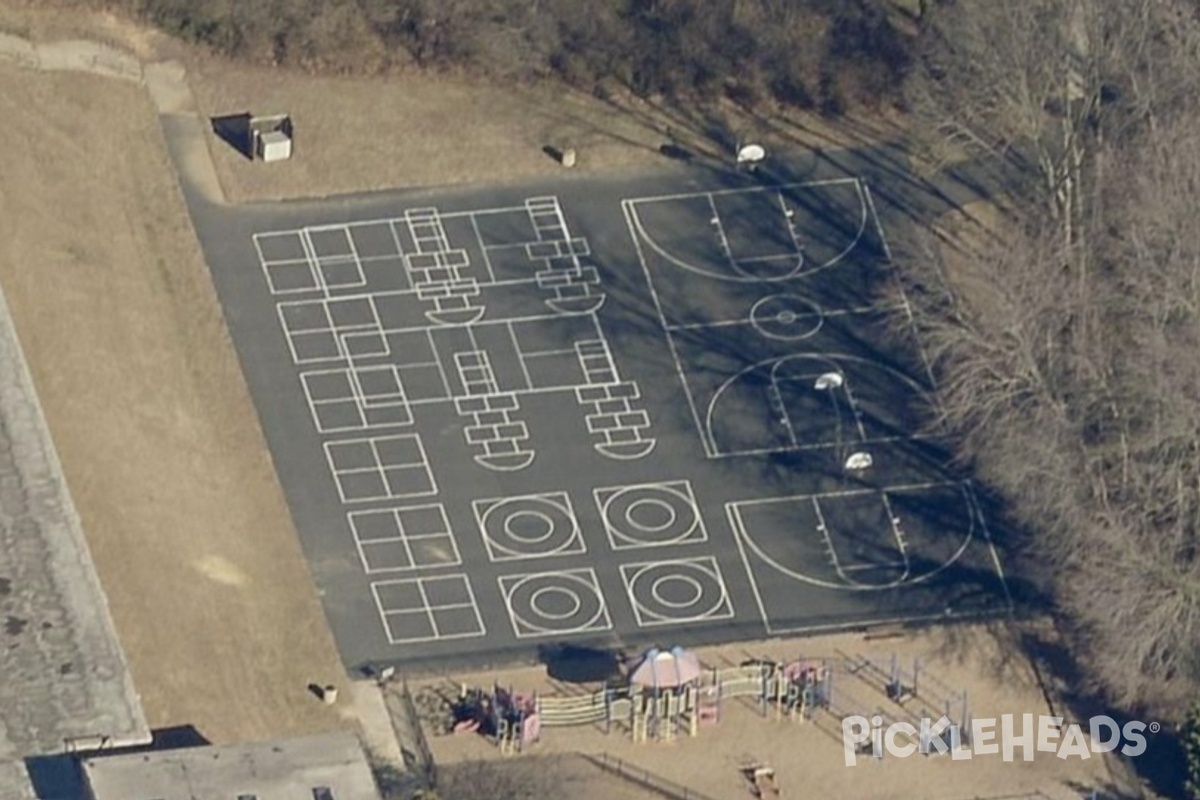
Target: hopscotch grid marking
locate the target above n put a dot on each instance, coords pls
(721, 609)
(387, 293)
(481, 212)
(473, 221)
(434, 401)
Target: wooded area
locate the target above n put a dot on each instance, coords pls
(812, 53)
(1071, 374)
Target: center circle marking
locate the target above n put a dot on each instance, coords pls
(514, 524)
(651, 514)
(686, 580)
(786, 317)
(555, 591)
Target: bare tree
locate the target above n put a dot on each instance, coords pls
(1067, 360)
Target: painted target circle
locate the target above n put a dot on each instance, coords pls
(555, 602)
(529, 526)
(651, 514)
(677, 591)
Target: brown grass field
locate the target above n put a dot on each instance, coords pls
(150, 414)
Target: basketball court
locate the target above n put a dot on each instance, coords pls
(601, 415)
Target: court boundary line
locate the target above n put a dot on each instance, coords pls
(745, 540)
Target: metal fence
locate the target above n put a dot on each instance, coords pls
(428, 766)
(644, 778)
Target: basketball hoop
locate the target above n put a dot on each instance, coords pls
(858, 462)
(830, 380)
(751, 155)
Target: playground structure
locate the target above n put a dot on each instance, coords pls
(685, 700)
(914, 694)
(511, 720)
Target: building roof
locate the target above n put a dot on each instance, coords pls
(65, 676)
(286, 769)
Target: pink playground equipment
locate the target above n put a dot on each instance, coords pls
(511, 720)
(663, 694)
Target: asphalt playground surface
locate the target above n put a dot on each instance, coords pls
(608, 412)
